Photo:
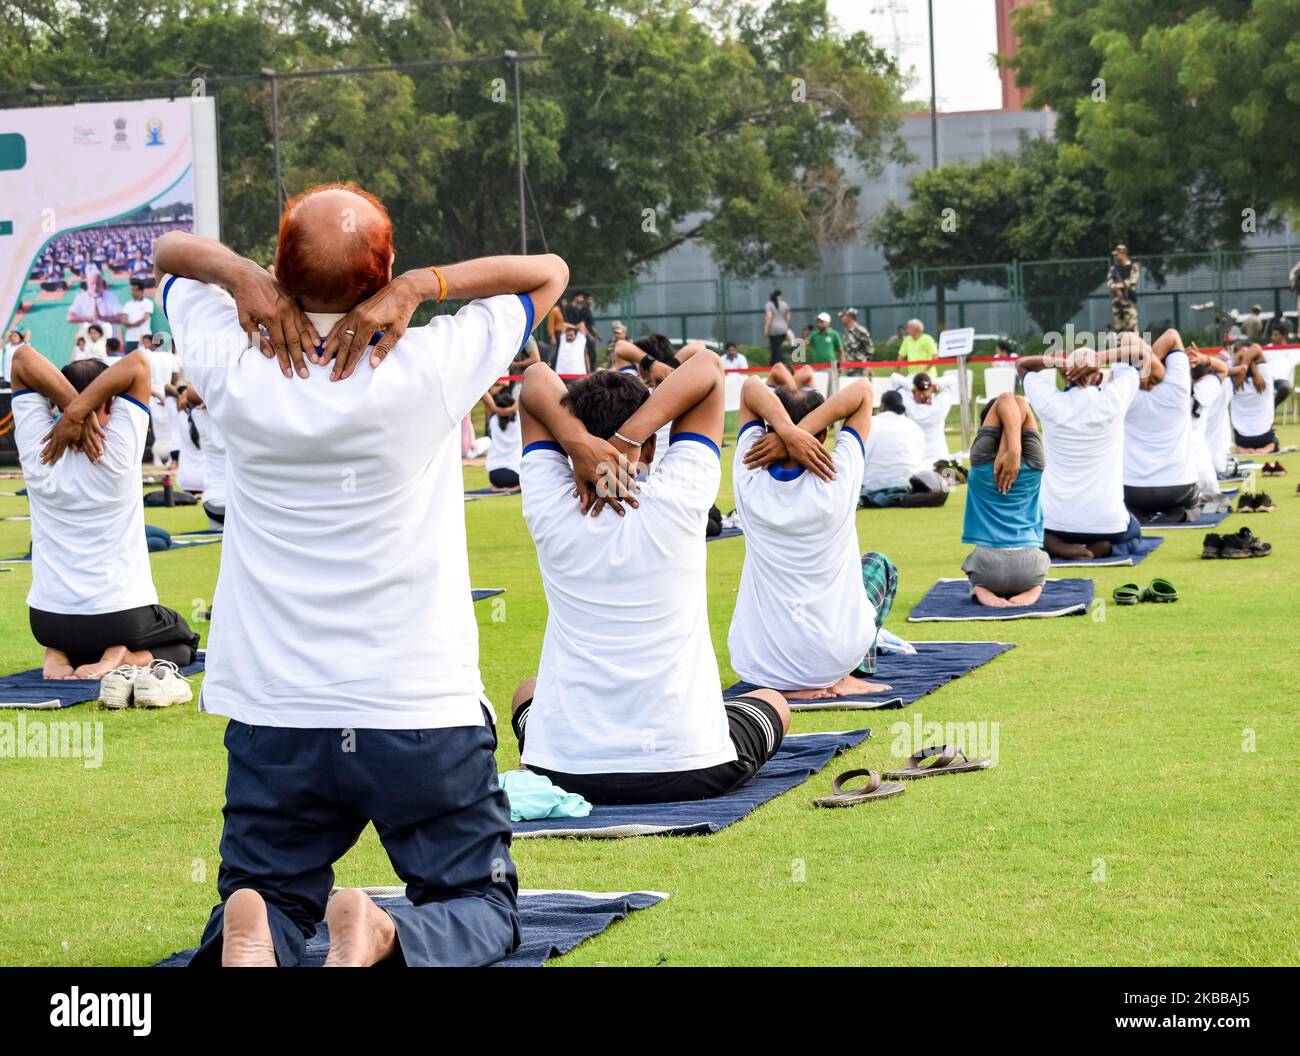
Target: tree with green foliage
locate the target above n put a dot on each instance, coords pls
(1189, 108)
(649, 125)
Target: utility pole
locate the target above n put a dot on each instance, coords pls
(512, 57)
(275, 137)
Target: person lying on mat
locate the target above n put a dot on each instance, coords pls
(1252, 406)
(1004, 515)
(626, 706)
(92, 603)
(1084, 516)
(927, 403)
(346, 504)
(501, 418)
(1159, 467)
(895, 454)
(803, 623)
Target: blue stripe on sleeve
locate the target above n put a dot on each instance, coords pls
(167, 288)
(854, 433)
(752, 421)
(132, 399)
(544, 445)
(527, 302)
(699, 438)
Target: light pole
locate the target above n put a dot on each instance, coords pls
(275, 137)
(512, 57)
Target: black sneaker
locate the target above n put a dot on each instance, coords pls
(1263, 504)
(1213, 546)
(1234, 547)
(1247, 541)
(1245, 503)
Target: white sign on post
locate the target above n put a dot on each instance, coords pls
(957, 342)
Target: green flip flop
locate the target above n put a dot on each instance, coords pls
(1160, 590)
(1128, 594)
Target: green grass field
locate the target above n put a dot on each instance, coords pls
(1143, 811)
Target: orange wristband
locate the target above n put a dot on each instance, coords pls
(442, 284)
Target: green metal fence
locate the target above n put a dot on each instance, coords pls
(1019, 300)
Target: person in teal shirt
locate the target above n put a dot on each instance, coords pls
(1004, 517)
(824, 344)
(917, 346)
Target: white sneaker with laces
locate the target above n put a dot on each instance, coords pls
(161, 685)
(115, 688)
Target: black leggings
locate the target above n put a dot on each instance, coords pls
(776, 343)
(1147, 502)
(83, 638)
(1133, 531)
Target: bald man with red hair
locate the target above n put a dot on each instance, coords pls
(343, 647)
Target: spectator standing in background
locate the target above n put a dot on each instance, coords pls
(1123, 282)
(917, 346)
(858, 346)
(776, 326)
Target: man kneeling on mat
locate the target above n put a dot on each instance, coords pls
(92, 602)
(627, 705)
(1159, 457)
(346, 505)
(803, 623)
(1004, 518)
(1084, 515)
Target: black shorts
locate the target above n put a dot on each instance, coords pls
(755, 731)
(1254, 443)
(1147, 502)
(83, 639)
(503, 478)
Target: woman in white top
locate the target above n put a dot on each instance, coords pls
(505, 449)
(1252, 401)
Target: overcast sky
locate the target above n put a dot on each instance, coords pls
(965, 35)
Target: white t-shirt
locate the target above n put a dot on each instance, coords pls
(1083, 439)
(88, 547)
(139, 318)
(628, 681)
(192, 464)
(802, 618)
(343, 598)
(736, 362)
(1218, 426)
(1208, 392)
(895, 452)
(571, 356)
(930, 416)
(162, 366)
(1158, 430)
(1252, 412)
(214, 457)
(506, 445)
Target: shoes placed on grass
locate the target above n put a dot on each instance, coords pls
(1160, 591)
(161, 685)
(1212, 546)
(1127, 594)
(115, 688)
(874, 789)
(946, 760)
(1258, 502)
(1244, 540)
(1273, 469)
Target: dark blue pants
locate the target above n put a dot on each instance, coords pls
(1131, 532)
(297, 800)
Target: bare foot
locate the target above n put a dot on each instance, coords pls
(56, 665)
(986, 597)
(807, 694)
(245, 933)
(361, 934)
(1029, 597)
(113, 658)
(1100, 548)
(848, 686)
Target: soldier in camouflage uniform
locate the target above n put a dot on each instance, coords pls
(1123, 281)
(858, 345)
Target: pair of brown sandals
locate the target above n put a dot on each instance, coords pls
(945, 759)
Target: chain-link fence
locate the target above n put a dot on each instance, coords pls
(1021, 301)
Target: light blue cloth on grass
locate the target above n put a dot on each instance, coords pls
(533, 797)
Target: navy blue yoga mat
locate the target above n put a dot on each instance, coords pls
(950, 600)
(551, 923)
(29, 689)
(1133, 553)
(1206, 520)
(726, 533)
(492, 491)
(910, 677)
(799, 757)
